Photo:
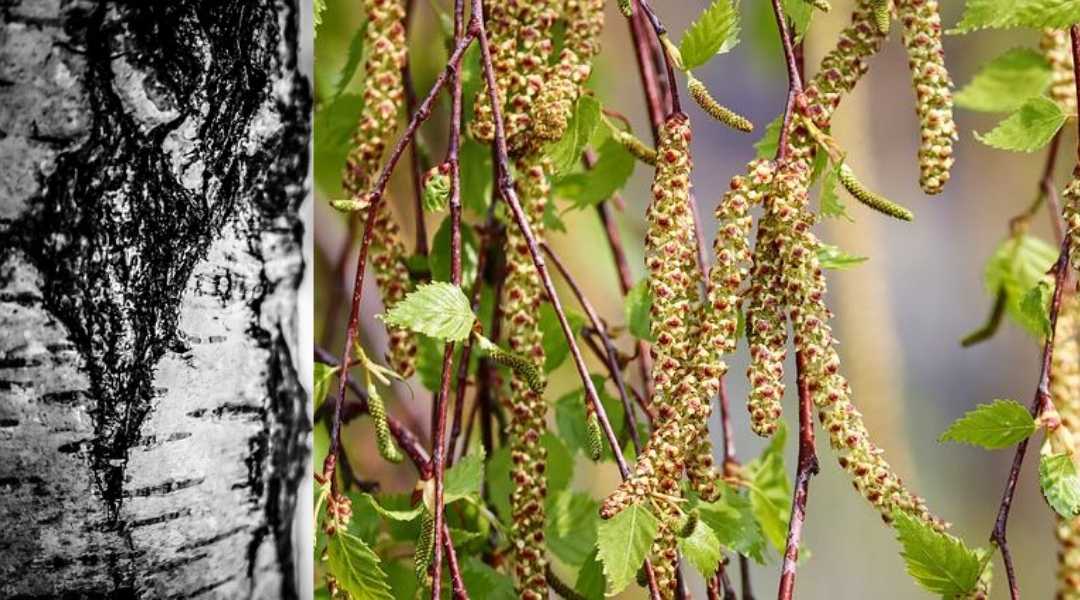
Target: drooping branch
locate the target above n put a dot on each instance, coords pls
(807, 467)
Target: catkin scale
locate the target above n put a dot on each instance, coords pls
(714, 109)
(922, 32)
(383, 96)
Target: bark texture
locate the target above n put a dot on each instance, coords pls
(153, 430)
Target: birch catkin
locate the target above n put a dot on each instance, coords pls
(1065, 393)
(1055, 46)
(383, 95)
(566, 77)
(921, 20)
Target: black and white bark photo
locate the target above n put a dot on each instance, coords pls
(153, 426)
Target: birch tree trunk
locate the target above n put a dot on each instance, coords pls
(153, 430)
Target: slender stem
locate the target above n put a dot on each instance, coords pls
(807, 467)
(643, 52)
(442, 400)
(414, 149)
(794, 77)
(661, 33)
(423, 112)
(611, 355)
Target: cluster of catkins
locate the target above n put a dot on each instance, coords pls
(1056, 47)
(1065, 393)
(536, 93)
(383, 97)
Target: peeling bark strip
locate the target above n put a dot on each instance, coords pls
(152, 426)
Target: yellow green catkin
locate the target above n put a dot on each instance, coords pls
(821, 5)
(1065, 393)
(636, 147)
(626, 7)
(874, 200)
(882, 15)
(377, 409)
(521, 300)
(566, 77)
(922, 32)
(383, 98)
(425, 546)
(1070, 208)
(714, 109)
(1058, 51)
(595, 435)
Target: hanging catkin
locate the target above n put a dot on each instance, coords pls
(522, 297)
(1065, 393)
(566, 77)
(383, 95)
(1055, 46)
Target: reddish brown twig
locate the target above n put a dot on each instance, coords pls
(417, 169)
(794, 78)
(807, 467)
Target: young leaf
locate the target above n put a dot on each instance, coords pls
(476, 181)
(1060, 484)
(714, 32)
(982, 14)
(554, 340)
(1005, 83)
(439, 257)
(702, 549)
(1018, 265)
(465, 477)
(356, 567)
(481, 581)
(1035, 305)
(623, 542)
(352, 61)
(499, 483)
(832, 257)
(590, 580)
(831, 205)
(614, 166)
(324, 376)
(1028, 129)
(570, 532)
(1053, 14)
(769, 143)
(999, 424)
(570, 418)
(770, 491)
(317, 12)
(565, 154)
(940, 562)
(437, 309)
(403, 515)
(800, 13)
(637, 307)
(560, 463)
(732, 521)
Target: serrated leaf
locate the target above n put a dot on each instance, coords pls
(702, 549)
(553, 339)
(1035, 305)
(590, 580)
(481, 581)
(999, 424)
(1028, 129)
(438, 309)
(733, 522)
(637, 307)
(332, 134)
(1039, 14)
(769, 142)
(465, 477)
(589, 187)
(570, 532)
(831, 205)
(352, 62)
(1018, 265)
(800, 13)
(832, 257)
(403, 515)
(770, 491)
(565, 154)
(714, 32)
(623, 542)
(940, 562)
(356, 568)
(982, 14)
(1005, 83)
(324, 376)
(1060, 484)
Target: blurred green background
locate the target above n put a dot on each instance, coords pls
(900, 315)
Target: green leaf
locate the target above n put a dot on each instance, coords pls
(500, 485)
(317, 12)
(356, 568)
(565, 154)
(589, 187)
(332, 133)
(560, 463)
(476, 183)
(702, 549)
(389, 513)
(439, 257)
(637, 307)
(623, 542)
(800, 13)
(832, 257)
(1028, 129)
(733, 522)
(1005, 83)
(1018, 265)
(982, 14)
(352, 62)
(1035, 305)
(554, 340)
(831, 205)
(324, 376)
(570, 418)
(999, 424)
(570, 532)
(940, 562)
(438, 309)
(481, 581)
(402, 579)
(769, 143)
(465, 477)
(714, 32)
(1060, 484)
(590, 580)
(770, 491)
